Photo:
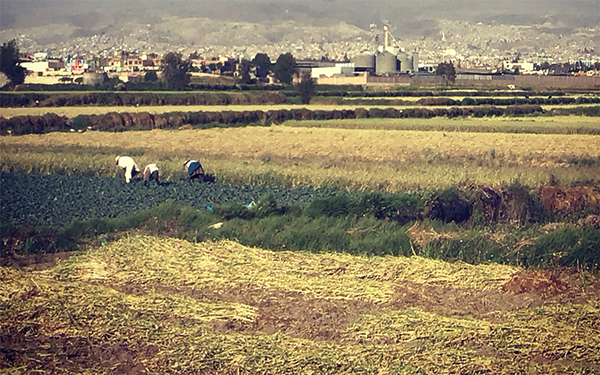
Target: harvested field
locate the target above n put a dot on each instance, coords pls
(535, 125)
(156, 305)
(290, 142)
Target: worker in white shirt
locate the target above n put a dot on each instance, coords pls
(150, 173)
(194, 170)
(128, 165)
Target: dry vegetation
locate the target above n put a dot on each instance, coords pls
(71, 112)
(156, 305)
(348, 158)
(98, 110)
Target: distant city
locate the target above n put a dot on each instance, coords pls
(470, 47)
(475, 45)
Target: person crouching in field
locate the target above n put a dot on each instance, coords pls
(194, 170)
(128, 165)
(150, 173)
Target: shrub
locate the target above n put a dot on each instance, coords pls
(233, 211)
(565, 247)
(471, 247)
(335, 206)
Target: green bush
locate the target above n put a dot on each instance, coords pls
(335, 206)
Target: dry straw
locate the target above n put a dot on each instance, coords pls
(169, 306)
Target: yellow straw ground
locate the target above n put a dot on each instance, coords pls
(158, 305)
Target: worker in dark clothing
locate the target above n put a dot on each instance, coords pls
(150, 173)
(194, 170)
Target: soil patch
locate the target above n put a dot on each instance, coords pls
(33, 262)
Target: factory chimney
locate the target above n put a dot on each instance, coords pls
(385, 38)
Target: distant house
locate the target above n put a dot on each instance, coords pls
(133, 64)
(523, 67)
(55, 64)
(114, 64)
(149, 64)
(76, 66)
(39, 64)
(36, 66)
(346, 69)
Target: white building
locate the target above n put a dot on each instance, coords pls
(346, 69)
(524, 67)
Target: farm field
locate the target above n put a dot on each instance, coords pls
(144, 305)
(157, 280)
(39, 199)
(361, 159)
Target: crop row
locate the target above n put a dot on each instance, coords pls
(114, 121)
(57, 199)
(41, 99)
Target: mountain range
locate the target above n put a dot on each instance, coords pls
(407, 18)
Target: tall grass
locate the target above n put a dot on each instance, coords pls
(382, 160)
(532, 125)
(351, 228)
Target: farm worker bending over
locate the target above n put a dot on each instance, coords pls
(151, 172)
(194, 170)
(128, 165)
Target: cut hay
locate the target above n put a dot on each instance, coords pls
(157, 305)
(422, 236)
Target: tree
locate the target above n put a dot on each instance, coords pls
(285, 67)
(176, 71)
(306, 88)
(9, 62)
(262, 62)
(150, 76)
(446, 71)
(228, 66)
(245, 66)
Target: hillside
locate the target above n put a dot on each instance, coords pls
(158, 305)
(309, 29)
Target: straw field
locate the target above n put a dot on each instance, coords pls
(158, 305)
(367, 159)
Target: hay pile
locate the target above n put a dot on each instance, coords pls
(157, 305)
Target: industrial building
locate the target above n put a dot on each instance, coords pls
(387, 60)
